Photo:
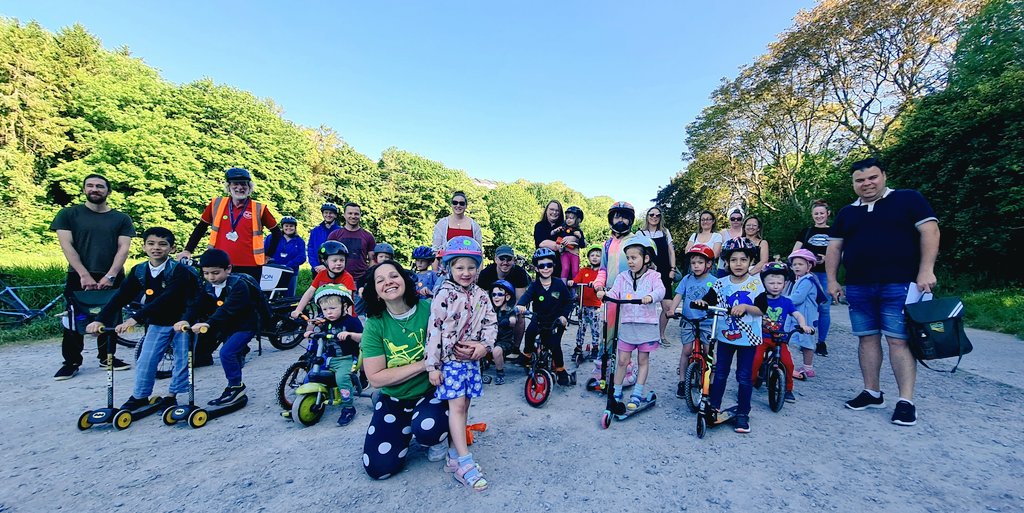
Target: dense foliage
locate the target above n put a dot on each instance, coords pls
(68, 107)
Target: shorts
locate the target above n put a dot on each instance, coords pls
(646, 347)
(688, 332)
(459, 379)
(878, 308)
(505, 345)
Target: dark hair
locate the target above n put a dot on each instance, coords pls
(351, 204)
(456, 194)
(760, 225)
(95, 175)
(866, 163)
(561, 212)
(714, 221)
(374, 304)
(820, 203)
(158, 231)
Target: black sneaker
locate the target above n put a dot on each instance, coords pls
(230, 395)
(119, 365)
(821, 349)
(134, 403)
(347, 414)
(65, 372)
(563, 378)
(865, 400)
(681, 390)
(742, 424)
(499, 377)
(905, 414)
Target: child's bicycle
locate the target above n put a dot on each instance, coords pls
(697, 365)
(302, 372)
(773, 372)
(540, 375)
(706, 415)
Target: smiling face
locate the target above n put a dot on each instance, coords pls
(869, 183)
(463, 271)
(288, 229)
(459, 204)
(329, 216)
(707, 222)
(240, 191)
(553, 212)
(820, 215)
(388, 283)
(498, 297)
(96, 191)
(654, 218)
(352, 216)
(545, 268)
(752, 228)
(505, 263)
(157, 248)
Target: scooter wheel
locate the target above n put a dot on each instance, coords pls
(702, 426)
(606, 419)
(168, 416)
(122, 419)
(83, 421)
(197, 418)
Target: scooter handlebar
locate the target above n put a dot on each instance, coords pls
(186, 327)
(607, 299)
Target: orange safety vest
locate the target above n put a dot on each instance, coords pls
(220, 205)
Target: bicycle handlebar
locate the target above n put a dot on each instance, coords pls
(186, 327)
(713, 310)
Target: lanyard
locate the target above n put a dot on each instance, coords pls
(231, 213)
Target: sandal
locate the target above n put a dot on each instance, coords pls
(451, 466)
(799, 374)
(665, 342)
(635, 402)
(471, 477)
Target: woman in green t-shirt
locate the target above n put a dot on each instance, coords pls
(393, 359)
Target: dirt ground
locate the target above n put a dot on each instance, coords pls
(814, 455)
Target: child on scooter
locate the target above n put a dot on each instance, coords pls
(774, 277)
(591, 311)
(460, 312)
(805, 294)
(638, 328)
(740, 332)
(164, 287)
(692, 288)
(227, 305)
(570, 260)
(335, 303)
(552, 303)
(426, 278)
(503, 299)
(333, 256)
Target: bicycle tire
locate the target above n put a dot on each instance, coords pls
(538, 388)
(292, 379)
(776, 382)
(692, 385)
(287, 333)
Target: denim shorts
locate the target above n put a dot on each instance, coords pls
(878, 308)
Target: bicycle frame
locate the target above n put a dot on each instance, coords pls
(15, 307)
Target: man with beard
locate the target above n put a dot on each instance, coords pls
(95, 240)
(237, 223)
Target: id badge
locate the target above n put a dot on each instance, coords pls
(231, 236)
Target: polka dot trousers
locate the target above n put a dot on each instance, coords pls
(394, 423)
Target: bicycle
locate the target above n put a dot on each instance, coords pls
(696, 367)
(298, 374)
(540, 375)
(13, 310)
(706, 415)
(773, 371)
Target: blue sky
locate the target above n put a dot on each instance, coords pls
(595, 94)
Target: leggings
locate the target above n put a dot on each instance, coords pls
(552, 341)
(570, 264)
(824, 310)
(590, 319)
(784, 355)
(744, 362)
(394, 423)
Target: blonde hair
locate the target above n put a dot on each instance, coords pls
(332, 300)
(646, 227)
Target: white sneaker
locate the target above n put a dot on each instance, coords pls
(437, 452)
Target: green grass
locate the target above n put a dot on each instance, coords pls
(996, 310)
(41, 329)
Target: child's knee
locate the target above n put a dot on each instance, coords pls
(497, 353)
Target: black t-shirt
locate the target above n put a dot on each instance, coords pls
(516, 276)
(94, 235)
(815, 240)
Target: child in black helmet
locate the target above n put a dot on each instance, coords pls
(333, 256)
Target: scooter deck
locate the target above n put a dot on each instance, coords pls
(213, 412)
(652, 399)
(155, 406)
(725, 416)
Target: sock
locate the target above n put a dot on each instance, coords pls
(808, 367)
(638, 389)
(618, 390)
(466, 460)
(874, 393)
(452, 453)
(906, 400)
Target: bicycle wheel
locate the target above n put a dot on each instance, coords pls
(293, 378)
(538, 388)
(692, 386)
(776, 382)
(286, 333)
(165, 367)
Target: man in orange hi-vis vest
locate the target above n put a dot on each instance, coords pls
(236, 225)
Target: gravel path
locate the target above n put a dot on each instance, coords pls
(815, 455)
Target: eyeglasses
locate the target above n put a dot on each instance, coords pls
(504, 259)
(497, 294)
(458, 203)
(735, 219)
(546, 265)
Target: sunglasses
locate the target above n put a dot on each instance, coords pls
(497, 294)
(546, 265)
(653, 215)
(504, 259)
(735, 219)
(458, 203)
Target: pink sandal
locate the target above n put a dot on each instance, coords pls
(471, 477)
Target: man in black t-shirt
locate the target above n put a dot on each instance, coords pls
(504, 268)
(95, 240)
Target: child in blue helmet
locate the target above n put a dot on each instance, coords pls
(503, 298)
(460, 312)
(426, 278)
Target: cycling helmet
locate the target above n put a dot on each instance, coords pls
(624, 209)
(543, 253)
(508, 288)
(733, 245)
(332, 290)
(462, 246)
(289, 220)
(594, 247)
(384, 247)
(329, 206)
(642, 241)
(237, 174)
(423, 253)
(577, 211)
(778, 268)
(331, 247)
(702, 250)
(804, 254)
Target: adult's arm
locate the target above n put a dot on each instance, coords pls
(276, 236)
(193, 239)
(437, 240)
(542, 236)
(478, 234)
(929, 251)
(379, 375)
(66, 241)
(671, 254)
(124, 243)
(832, 255)
(764, 258)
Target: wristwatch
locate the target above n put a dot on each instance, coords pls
(110, 278)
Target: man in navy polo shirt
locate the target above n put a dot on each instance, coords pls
(887, 240)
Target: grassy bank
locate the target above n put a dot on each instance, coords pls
(996, 310)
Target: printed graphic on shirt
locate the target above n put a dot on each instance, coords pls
(404, 355)
(733, 326)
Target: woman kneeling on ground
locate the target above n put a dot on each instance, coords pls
(393, 360)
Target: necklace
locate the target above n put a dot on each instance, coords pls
(405, 316)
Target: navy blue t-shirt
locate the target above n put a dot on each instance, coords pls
(881, 243)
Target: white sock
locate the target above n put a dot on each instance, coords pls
(874, 393)
(905, 400)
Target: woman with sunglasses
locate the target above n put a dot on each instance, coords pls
(458, 223)
(734, 231)
(664, 260)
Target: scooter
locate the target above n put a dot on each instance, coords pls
(116, 417)
(606, 366)
(581, 354)
(706, 415)
(197, 416)
(613, 407)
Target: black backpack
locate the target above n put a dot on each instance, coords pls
(263, 311)
(936, 330)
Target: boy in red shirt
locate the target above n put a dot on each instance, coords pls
(333, 256)
(589, 315)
